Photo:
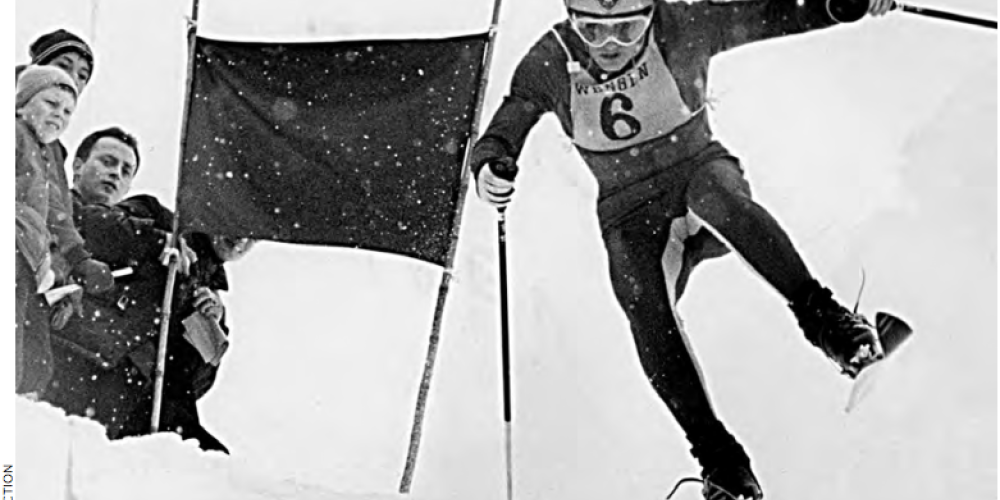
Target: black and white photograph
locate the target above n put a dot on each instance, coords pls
(504, 249)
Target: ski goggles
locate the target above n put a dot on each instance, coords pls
(599, 31)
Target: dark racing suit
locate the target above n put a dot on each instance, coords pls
(668, 191)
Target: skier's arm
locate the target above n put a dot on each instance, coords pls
(735, 23)
(532, 93)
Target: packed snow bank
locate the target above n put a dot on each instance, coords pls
(66, 457)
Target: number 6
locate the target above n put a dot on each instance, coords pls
(609, 118)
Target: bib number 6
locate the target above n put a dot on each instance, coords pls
(618, 125)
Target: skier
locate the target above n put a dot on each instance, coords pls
(627, 80)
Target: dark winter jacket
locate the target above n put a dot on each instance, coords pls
(687, 35)
(117, 324)
(208, 271)
(125, 324)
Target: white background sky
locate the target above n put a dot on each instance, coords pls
(875, 144)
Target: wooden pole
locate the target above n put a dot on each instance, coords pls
(432, 347)
(161, 351)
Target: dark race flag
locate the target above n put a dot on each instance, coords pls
(357, 144)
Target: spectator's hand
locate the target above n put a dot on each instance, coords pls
(495, 184)
(880, 7)
(94, 276)
(184, 254)
(63, 310)
(208, 303)
(188, 257)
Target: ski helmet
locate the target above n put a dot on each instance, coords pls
(608, 7)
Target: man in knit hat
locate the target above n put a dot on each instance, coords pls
(49, 249)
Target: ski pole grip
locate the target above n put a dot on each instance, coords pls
(504, 168)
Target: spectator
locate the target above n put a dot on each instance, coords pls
(106, 359)
(65, 51)
(191, 372)
(68, 52)
(49, 249)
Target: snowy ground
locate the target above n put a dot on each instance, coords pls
(70, 458)
(874, 144)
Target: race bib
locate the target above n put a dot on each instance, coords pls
(637, 106)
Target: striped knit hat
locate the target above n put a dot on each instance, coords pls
(48, 46)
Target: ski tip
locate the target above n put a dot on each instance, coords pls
(893, 332)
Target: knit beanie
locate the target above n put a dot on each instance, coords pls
(35, 79)
(46, 47)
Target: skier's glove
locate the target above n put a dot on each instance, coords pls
(849, 11)
(94, 276)
(495, 184)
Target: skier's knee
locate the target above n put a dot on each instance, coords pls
(718, 192)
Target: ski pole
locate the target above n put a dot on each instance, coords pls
(505, 348)
(849, 11)
(505, 169)
(948, 16)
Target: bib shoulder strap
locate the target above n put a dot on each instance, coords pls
(572, 65)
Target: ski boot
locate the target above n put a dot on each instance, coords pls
(846, 337)
(725, 472)
(735, 482)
